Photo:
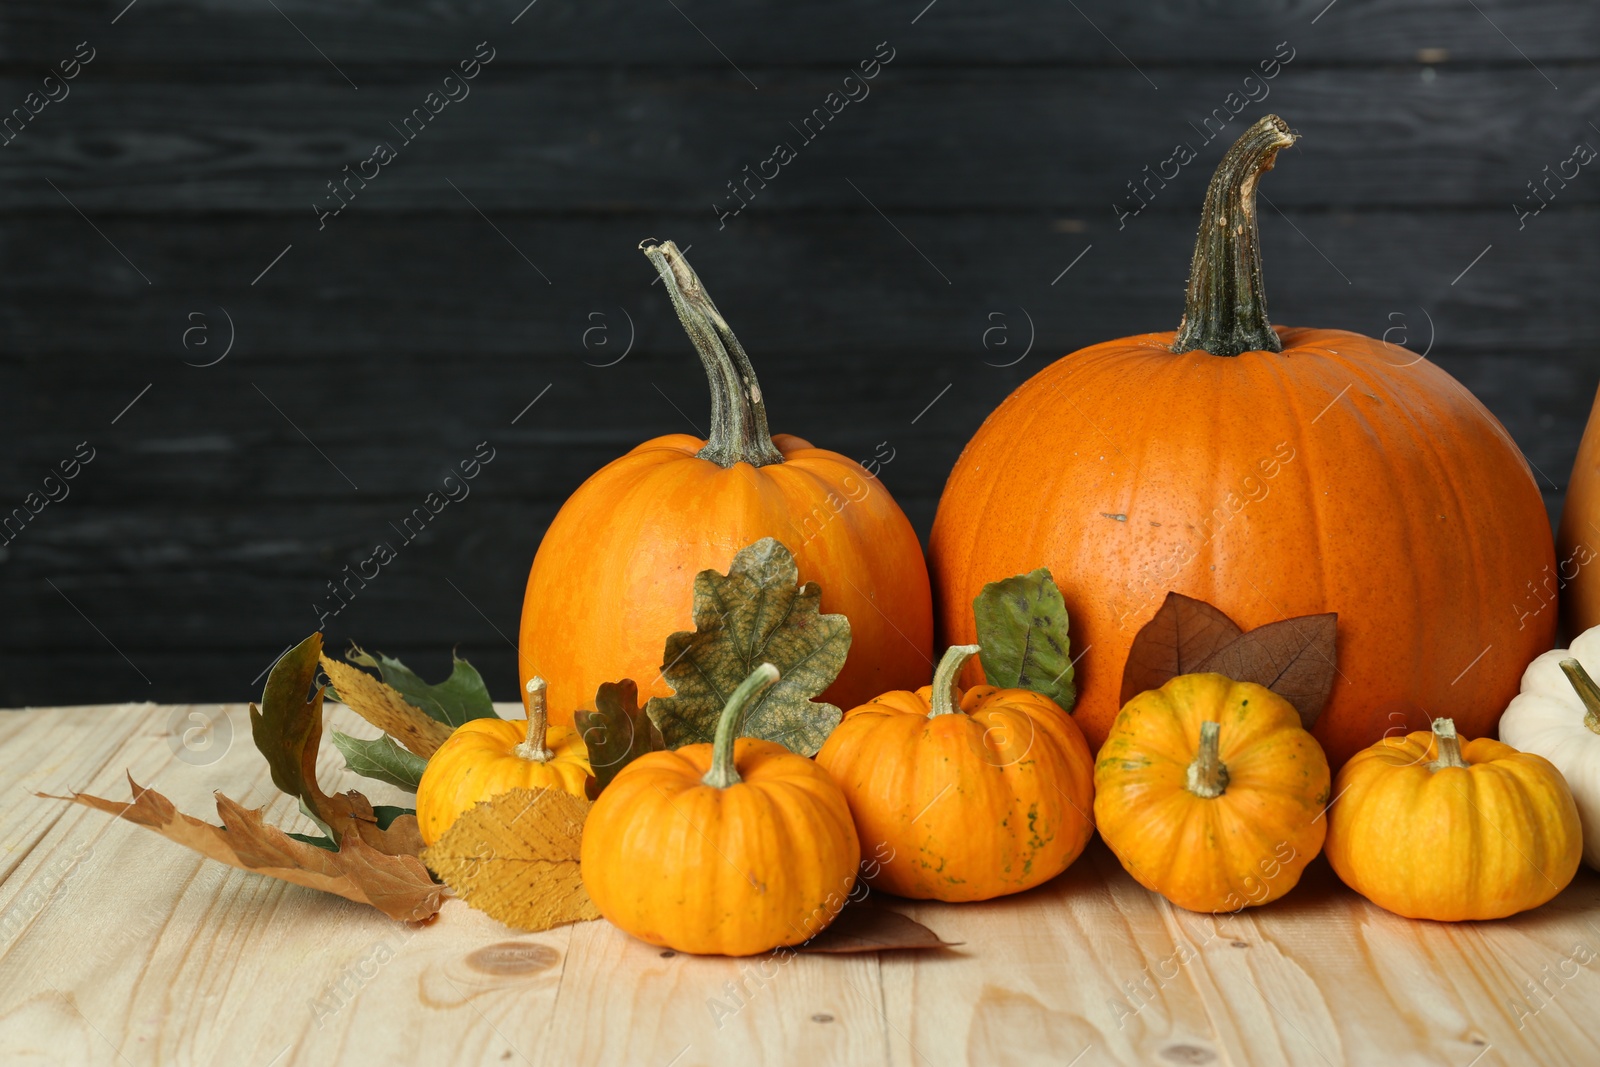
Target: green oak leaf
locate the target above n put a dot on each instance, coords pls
(381, 758)
(616, 733)
(1022, 631)
(756, 613)
(458, 698)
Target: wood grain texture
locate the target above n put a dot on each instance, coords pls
(923, 139)
(190, 32)
(140, 953)
(995, 145)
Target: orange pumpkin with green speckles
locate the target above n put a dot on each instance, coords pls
(963, 796)
(1211, 793)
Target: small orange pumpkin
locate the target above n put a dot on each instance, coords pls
(734, 848)
(1211, 793)
(483, 758)
(963, 796)
(1430, 827)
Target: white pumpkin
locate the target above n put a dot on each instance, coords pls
(1550, 718)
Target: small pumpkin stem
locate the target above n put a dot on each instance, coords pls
(1226, 309)
(1208, 775)
(947, 678)
(739, 431)
(723, 773)
(1588, 692)
(534, 747)
(1444, 736)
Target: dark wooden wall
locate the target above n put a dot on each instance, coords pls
(472, 272)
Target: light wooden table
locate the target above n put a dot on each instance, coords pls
(118, 947)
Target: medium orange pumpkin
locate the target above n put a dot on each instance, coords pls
(483, 758)
(1272, 473)
(1578, 541)
(1211, 794)
(1431, 827)
(614, 575)
(963, 796)
(733, 848)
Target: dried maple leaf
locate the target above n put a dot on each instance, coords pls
(616, 733)
(398, 886)
(515, 857)
(756, 613)
(385, 708)
(1175, 641)
(1022, 636)
(1295, 658)
(871, 928)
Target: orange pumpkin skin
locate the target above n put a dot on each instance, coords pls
(1322, 478)
(636, 533)
(969, 806)
(478, 761)
(1244, 847)
(1578, 542)
(734, 871)
(1484, 841)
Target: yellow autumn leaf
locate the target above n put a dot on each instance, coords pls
(384, 707)
(515, 858)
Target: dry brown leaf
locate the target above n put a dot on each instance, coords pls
(398, 886)
(871, 928)
(515, 857)
(1294, 658)
(1180, 636)
(384, 707)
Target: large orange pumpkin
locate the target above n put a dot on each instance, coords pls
(1272, 473)
(614, 575)
(1578, 544)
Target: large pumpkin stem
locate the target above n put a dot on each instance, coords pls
(946, 678)
(1208, 775)
(1226, 310)
(739, 431)
(534, 747)
(723, 773)
(1444, 736)
(1588, 692)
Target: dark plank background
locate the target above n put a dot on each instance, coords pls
(190, 552)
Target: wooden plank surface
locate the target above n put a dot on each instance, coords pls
(119, 947)
(920, 139)
(199, 32)
(995, 145)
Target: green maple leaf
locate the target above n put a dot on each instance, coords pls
(458, 698)
(756, 613)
